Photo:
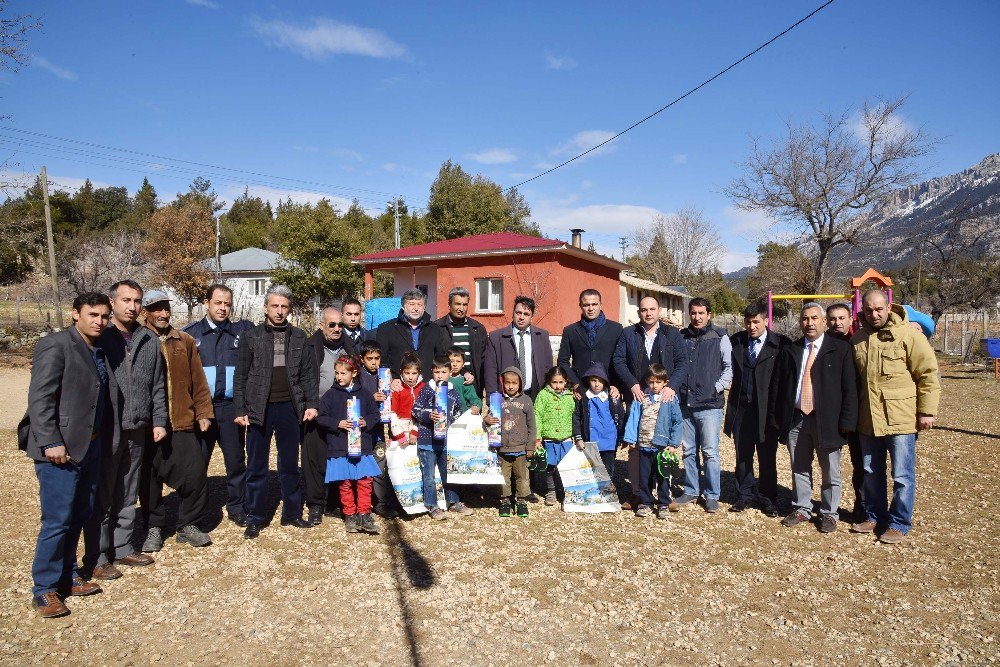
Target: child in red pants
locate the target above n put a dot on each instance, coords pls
(349, 418)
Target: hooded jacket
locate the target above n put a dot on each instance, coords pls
(581, 413)
(897, 376)
(517, 424)
(554, 414)
(333, 408)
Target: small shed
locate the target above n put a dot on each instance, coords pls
(673, 302)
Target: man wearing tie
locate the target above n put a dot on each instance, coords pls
(522, 345)
(813, 406)
(353, 330)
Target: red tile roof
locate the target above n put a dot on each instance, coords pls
(470, 244)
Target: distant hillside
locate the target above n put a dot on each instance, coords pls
(738, 279)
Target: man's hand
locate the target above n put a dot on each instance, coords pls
(614, 393)
(57, 455)
(204, 424)
(667, 394)
(475, 410)
(345, 424)
(159, 433)
(469, 378)
(637, 392)
(396, 385)
(243, 420)
(310, 414)
(579, 445)
(577, 392)
(925, 422)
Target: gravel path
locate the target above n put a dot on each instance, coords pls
(554, 588)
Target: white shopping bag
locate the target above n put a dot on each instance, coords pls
(404, 471)
(586, 482)
(470, 459)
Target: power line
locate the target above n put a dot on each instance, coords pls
(678, 99)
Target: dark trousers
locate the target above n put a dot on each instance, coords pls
(282, 422)
(857, 475)
(385, 495)
(746, 435)
(67, 494)
(649, 477)
(552, 479)
(231, 438)
(176, 461)
(608, 458)
(314, 466)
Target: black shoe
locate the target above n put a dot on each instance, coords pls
(336, 512)
(315, 516)
(739, 505)
(828, 524)
(504, 508)
(769, 510)
(239, 519)
(298, 523)
(252, 531)
(386, 511)
(533, 498)
(351, 524)
(366, 522)
(522, 508)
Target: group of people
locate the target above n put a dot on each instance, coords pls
(122, 403)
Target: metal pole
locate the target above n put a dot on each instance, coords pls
(52, 249)
(218, 257)
(395, 215)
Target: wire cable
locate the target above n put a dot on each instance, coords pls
(678, 99)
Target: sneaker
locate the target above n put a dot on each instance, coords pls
(315, 516)
(505, 508)
(627, 505)
(522, 508)
(550, 498)
(891, 536)
(711, 505)
(673, 506)
(740, 505)
(663, 511)
(154, 540)
(794, 519)
(461, 509)
(193, 535)
(828, 524)
(438, 514)
(643, 512)
(867, 526)
(685, 499)
(351, 524)
(366, 522)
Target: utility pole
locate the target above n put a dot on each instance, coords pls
(623, 242)
(395, 215)
(52, 249)
(218, 257)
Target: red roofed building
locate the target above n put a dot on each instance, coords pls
(496, 268)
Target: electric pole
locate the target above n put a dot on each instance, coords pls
(395, 215)
(623, 242)
(52, 249)
(218, 257)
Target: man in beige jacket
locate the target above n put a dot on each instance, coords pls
(898, 392)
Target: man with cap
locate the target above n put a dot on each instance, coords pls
(177, 460)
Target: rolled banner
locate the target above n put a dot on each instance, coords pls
(385, 386)
(354, 433)
(441, 405)
(496, 410)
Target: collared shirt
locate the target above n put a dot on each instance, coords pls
(353, 334)
(603, 395)
(816, 344)
(650, 337)
(757, 344)
(528, 369)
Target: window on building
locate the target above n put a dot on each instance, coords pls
(258, 287)
(423, 288)
(489, 295)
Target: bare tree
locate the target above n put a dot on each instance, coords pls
(825, 182)
(94, 263)
(678, 247)
(14, 38)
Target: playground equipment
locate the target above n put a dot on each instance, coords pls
(991, 348)
(883, 282)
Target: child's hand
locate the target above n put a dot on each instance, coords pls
(490, 420)
(673, 450)
(476, 410)
(361, 422)
(345, 424)
(379, 397)
(630, 445)
(437, 416)
(413, 439)
(579, 445)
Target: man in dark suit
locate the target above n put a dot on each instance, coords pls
(839, 325)
(353, 329)
(522, 345)
(71, 416)
(467, 334)
(590, 340)
(814, 405)
(411, 331)
(755, 353)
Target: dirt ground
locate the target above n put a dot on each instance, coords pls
(555, 588)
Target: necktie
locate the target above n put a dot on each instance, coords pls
(752, 353)
(520, 357)
(806, 401)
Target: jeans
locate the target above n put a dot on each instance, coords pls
(649, 476)
(701, 432)
(66, 493)
(803, 441)
(232, 441)
(902, 453)
(429, 458)
(107, 535)
(281, 421)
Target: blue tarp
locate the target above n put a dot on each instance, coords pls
(378, 311)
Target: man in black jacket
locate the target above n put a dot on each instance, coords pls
(412, 331)
(521, 344)
(467, 334)
(70, 418)
(275, 389)
(353, 329)
(838, 325)
(814, 405)
(590, 340)
(755, 353)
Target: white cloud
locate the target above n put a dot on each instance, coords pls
(50, 67)
(607, 219)
(390, 167)
(16, 182)
(750, 225)
(494, 156)
(347, 154)
(208, 4)
(582, 141)
(680, 158)
(559, 62)
(734, 261)
(895, 126)
(323, 37)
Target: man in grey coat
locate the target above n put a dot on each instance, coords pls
(133, 355)
(70, 415)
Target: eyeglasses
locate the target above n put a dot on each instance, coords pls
(335, 325)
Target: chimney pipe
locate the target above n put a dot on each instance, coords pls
(577, 238)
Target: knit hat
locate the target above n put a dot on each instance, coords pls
(925, 321)
(596, 370)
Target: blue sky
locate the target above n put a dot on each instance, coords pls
(368, 99)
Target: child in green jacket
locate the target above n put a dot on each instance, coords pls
(554, 419)
(466, 392)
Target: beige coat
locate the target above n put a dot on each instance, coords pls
(897, 377)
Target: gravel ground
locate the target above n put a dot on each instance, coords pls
(554, 588)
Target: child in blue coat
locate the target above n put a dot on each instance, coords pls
(652, 427)
(599, 418)
(432, 450)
